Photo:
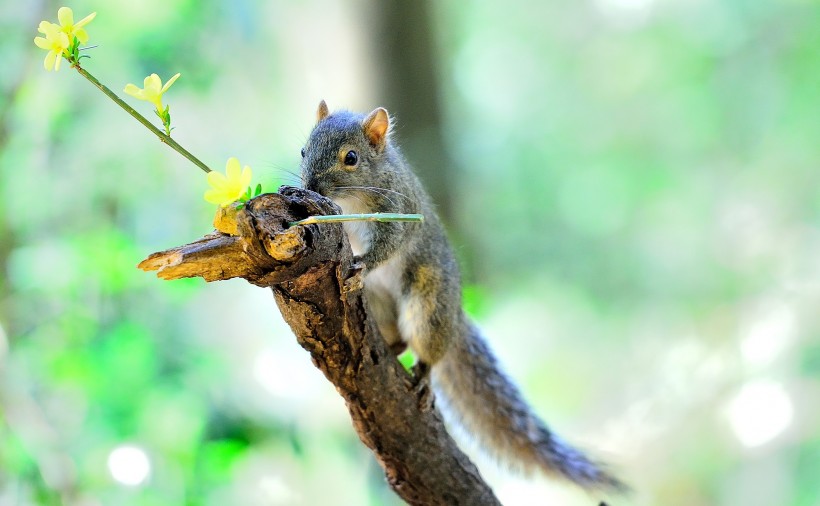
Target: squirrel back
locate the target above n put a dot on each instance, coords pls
(413, 292)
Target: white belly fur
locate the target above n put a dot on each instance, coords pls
(358, 232)
(385, 280)
(382, 283)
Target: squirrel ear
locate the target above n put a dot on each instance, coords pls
(376, 125)
(322, 112)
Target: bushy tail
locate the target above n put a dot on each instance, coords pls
(480, 397)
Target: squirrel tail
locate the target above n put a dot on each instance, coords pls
(478, 396)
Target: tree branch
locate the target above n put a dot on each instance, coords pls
(319, 293)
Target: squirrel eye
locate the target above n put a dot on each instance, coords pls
(303, 152)
(351, 158)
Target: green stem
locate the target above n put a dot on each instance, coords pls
(139, 117)
(335, 218)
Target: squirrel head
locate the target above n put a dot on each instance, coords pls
(344, 150)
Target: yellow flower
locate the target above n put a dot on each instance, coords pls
(66, 18)
(152, 90)
(55, 41)
(225, 190)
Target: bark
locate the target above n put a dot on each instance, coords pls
(319, 293)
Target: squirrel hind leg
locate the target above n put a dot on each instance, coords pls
(397, 347)
(382, 309)
(425, 320)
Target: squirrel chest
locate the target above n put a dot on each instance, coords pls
(380, 281)
(383, 282)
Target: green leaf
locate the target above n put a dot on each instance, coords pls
(475, 300)
(217, 458)
(73, 50)
(258, 190)
(407, 359)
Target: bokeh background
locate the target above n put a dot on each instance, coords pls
(632, 187)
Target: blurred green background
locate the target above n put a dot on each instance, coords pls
(632, 187)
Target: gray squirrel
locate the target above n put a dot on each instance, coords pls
(413, 289)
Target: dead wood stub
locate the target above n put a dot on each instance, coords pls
(319, 293)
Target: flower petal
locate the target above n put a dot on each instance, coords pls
(229, 187)
(169, 83)
(66, 16)
(41, 43)
(57, 60)
(232, 169)
(216, 180)
(48, 63)
(245, 178)
(44, 27)
(132, 90)
(81, 23)
(215, 196)
(154, 84)
(81, 35)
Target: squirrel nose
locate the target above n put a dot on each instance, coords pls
(312, 184)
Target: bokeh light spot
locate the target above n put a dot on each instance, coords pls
(768, 335)
(760, 412)
(129, 465)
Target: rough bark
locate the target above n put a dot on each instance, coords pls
(318, 291)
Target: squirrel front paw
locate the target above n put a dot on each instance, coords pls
(355, 280)
(357, 264)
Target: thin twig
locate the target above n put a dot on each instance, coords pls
(139, 117)
(380, 217)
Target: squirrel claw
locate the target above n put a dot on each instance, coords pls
(421, 371)
(353, 283)
(421, 385)
(357, 264)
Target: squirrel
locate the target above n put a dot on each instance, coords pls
(412, 287)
